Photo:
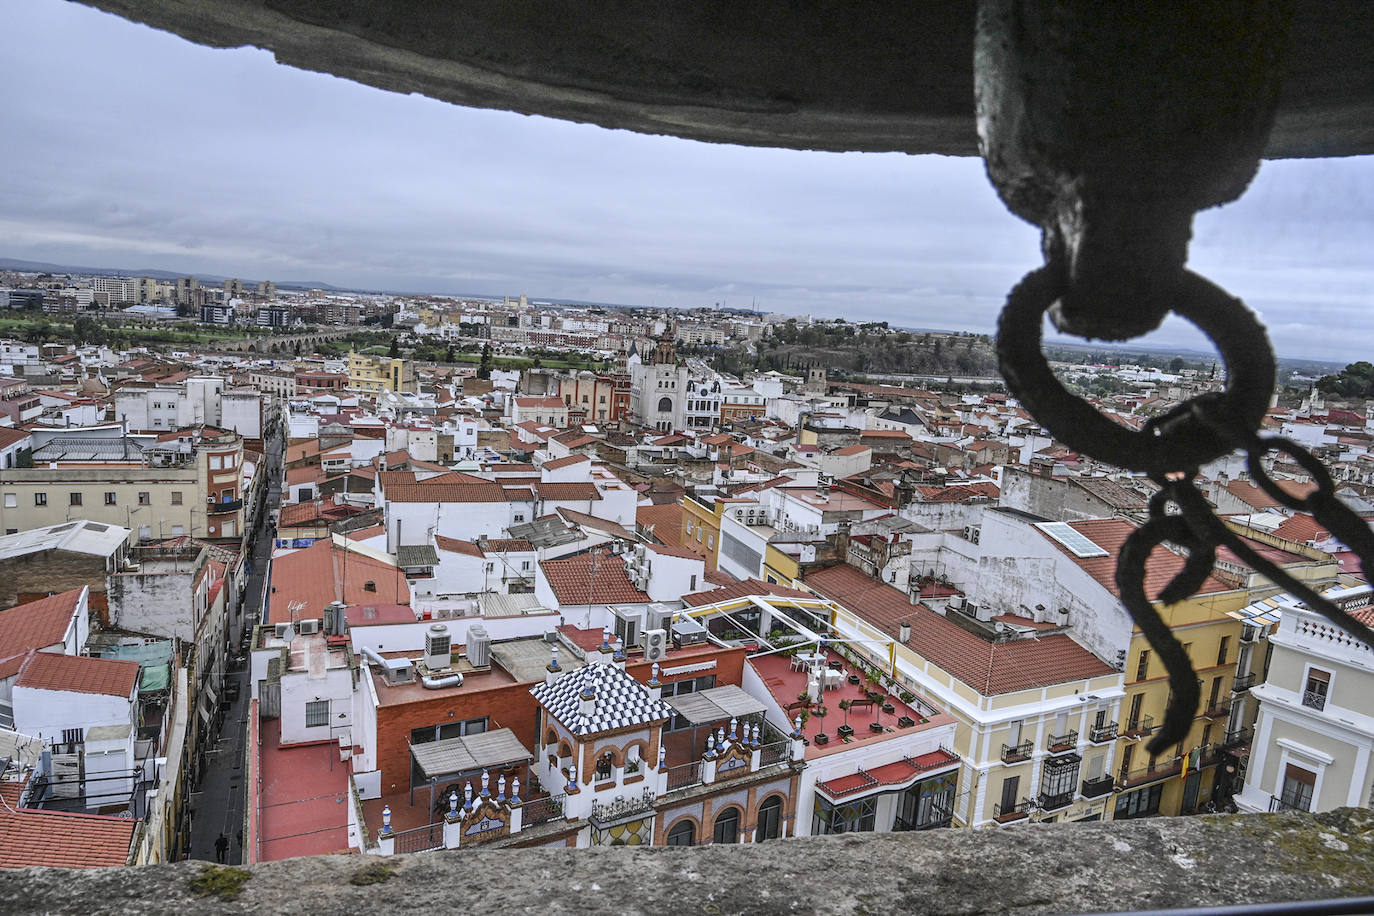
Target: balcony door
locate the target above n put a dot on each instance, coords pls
(1010, 787)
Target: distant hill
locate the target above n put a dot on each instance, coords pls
(47, 267)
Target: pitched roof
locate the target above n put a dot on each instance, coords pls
(457, 545)
(572, 489)
(35, 625)
(540, 403)
(321, 573)
(665, 520)
(991, 668)
(620, 701)
(78, 674)
(573, 583)
(62, 839)
(569, 461)
(1110, 534)
(1251, 495)
(1302, 528)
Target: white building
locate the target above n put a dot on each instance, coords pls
(1314, 732)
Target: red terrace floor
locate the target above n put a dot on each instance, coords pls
(897, 773)
(405, 816)
(785, 685)
(304, 798)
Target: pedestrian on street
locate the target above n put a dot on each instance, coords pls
(221, 848)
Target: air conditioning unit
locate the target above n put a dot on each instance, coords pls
(956, 603)
(309, 627)
(283, 630)
(551, 636)
(437, 648)
(655, 644)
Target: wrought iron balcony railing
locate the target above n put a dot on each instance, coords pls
(1015, 753)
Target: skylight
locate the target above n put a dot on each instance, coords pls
(1077, 543)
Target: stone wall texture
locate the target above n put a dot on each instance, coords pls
(1054, 868)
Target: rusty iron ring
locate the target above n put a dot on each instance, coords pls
(1189, 436)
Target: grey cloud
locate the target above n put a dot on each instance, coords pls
(130, 147)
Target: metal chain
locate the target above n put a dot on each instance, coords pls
(1170, 449)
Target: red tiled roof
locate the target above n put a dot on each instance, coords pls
(62, 839)
(9, 436)
(540, 403)
(316, 575)
(1253, 496)
(666, 521)
(569, 461)
(1110, 534)
(508, 545)
(78, 674)
(673, 551)
(457, 545)
(35, 625)
(741, 589)
(988, 667)
(852, 450)
(572, 581)
(572, 489)
(1301, 528)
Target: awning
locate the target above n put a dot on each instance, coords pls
(715, 704)
(734, 700)
(437, 759)
(696, 708)
(155, 678)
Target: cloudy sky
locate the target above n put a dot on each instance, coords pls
(127, 147)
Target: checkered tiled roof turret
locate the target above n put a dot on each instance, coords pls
(621, 701)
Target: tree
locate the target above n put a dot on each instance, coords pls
(484, 367)
(1354, 382)
(394, 351)
(448, 354)
(1176, 364)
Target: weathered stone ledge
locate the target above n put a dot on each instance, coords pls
(1054, 868)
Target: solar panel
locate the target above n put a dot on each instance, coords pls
(1077, 543)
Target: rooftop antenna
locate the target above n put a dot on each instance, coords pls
(294, 608)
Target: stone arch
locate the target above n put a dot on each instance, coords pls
(665, 405)
(781, 800)
(564, 748)
(550, 736)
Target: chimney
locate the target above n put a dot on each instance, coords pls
(553, 672)
(904, 633)
(655, 685)
(587, 702)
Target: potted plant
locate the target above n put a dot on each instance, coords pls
(876, 727)
(907, 696)
(854, 679)
(844, 731)
(888, 707)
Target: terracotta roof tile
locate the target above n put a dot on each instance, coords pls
(569, 461)
(1110, 534)
(1301, 528)
(573, 583)
(78, 674)
(318, 574)
(61, 839)
(988, 667)
(573, 489)
(35, 625)
(666, 522)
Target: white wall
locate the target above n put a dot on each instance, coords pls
(298, 688)
(48, 712)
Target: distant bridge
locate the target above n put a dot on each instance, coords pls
(285, 344)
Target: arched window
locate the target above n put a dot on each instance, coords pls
(684, 833)
(603, 767)
(665, 405)
(770, 820)
(727, 827)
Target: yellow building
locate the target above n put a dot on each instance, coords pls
(1035, 711)
(701, 526)
(373, 374)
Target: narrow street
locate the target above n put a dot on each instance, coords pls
(218, 807)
